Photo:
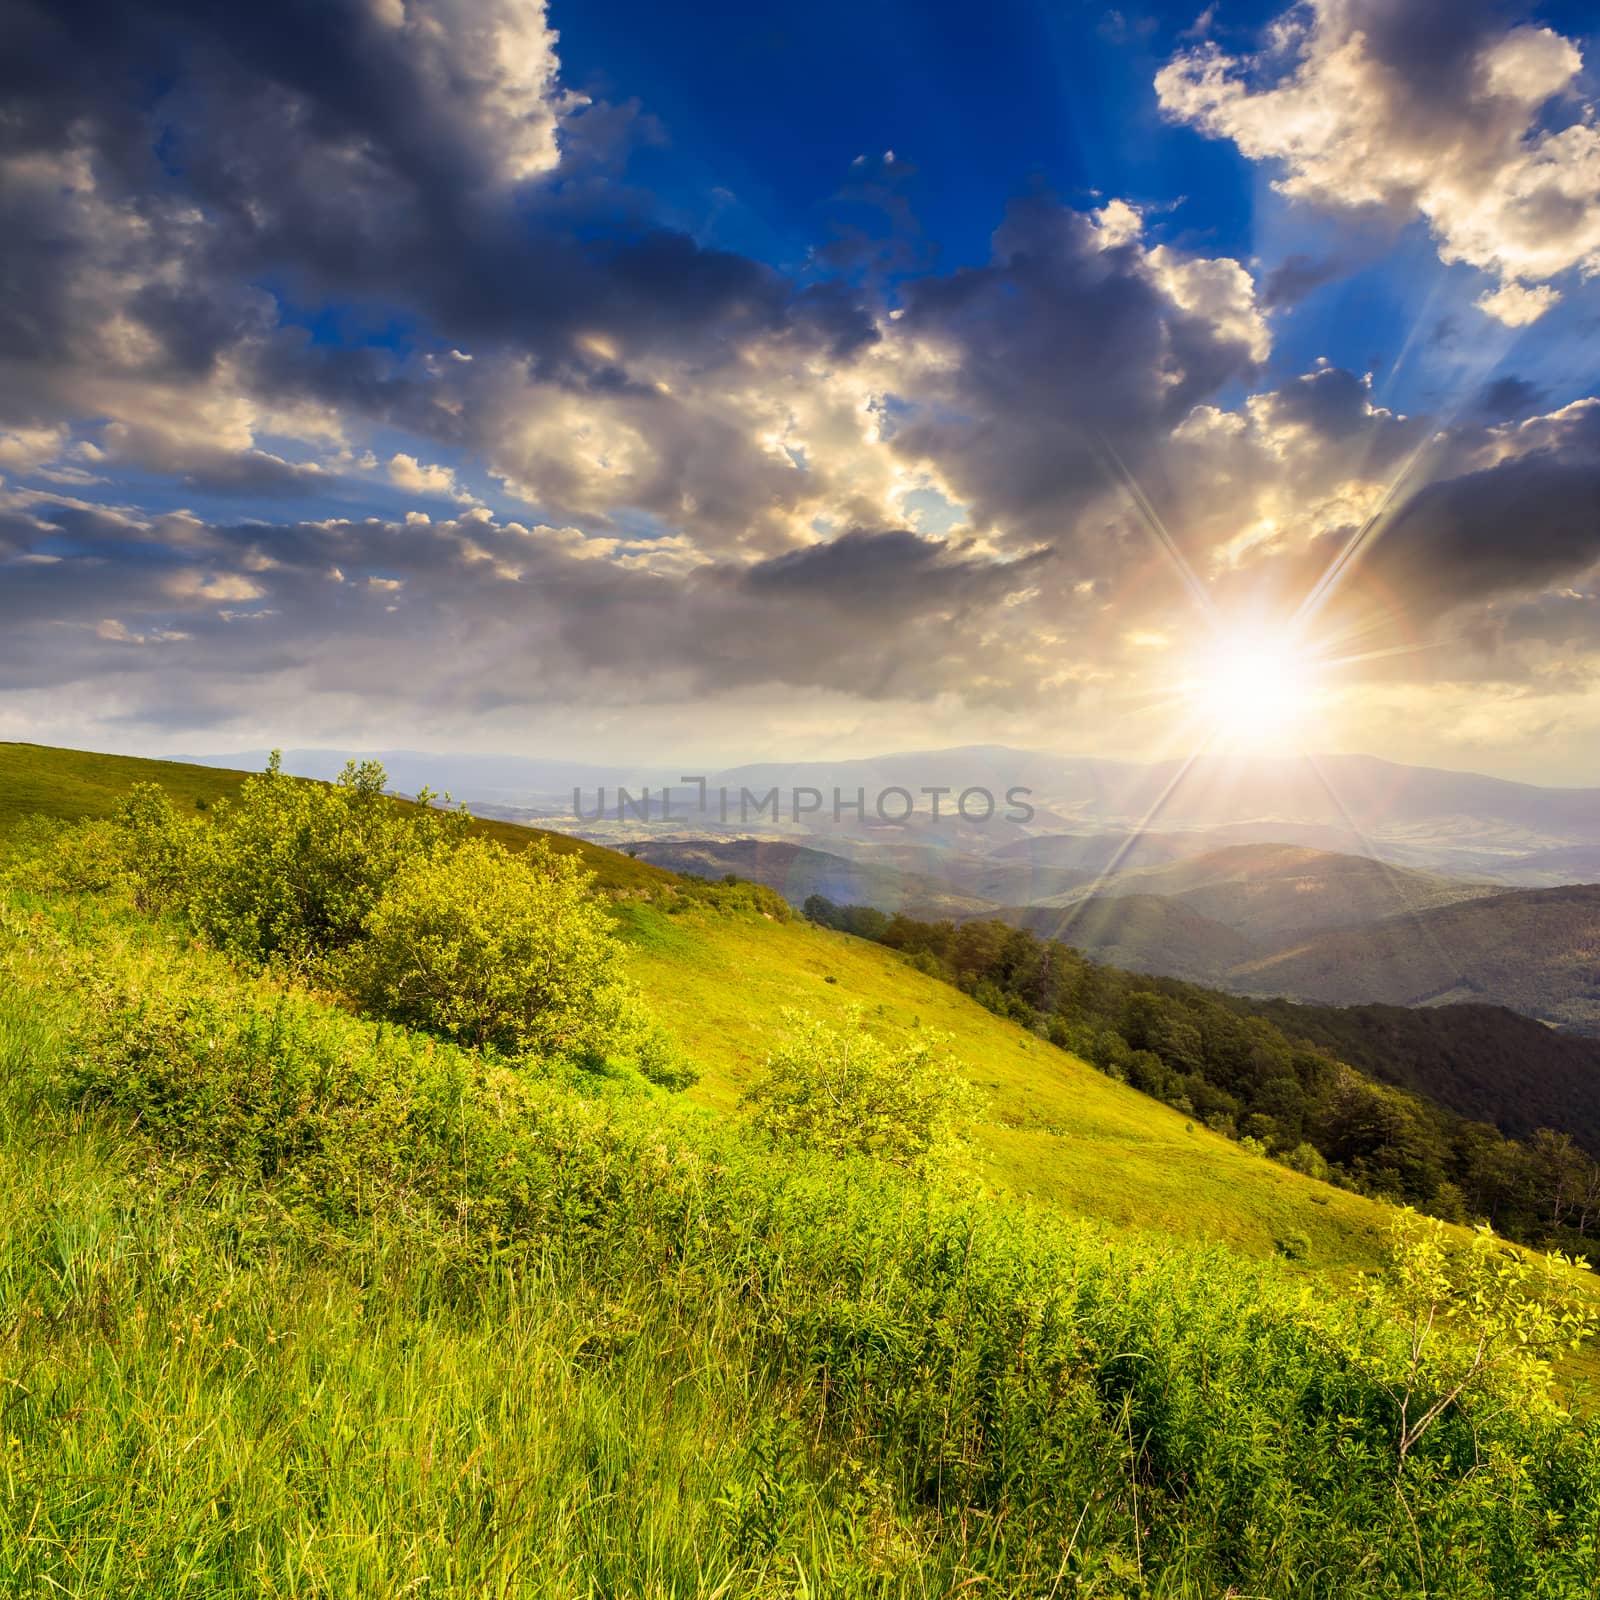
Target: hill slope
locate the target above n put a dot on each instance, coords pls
(1265, 890)
(1056, 1129)
(1142, 933)
(75, 784)
(1340, 930)
(1534, 950)
(1482, 1062)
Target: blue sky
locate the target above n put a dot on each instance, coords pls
(762, 116)
(750, 382)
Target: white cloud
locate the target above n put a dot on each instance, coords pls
(412, 475)
(497, 60)
(27, 449)
(1465, 145)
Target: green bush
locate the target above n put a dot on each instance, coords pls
(502, 951)
(290, 870)
(416, 919)
(848, 1092)
(55, 857)
(158, 848)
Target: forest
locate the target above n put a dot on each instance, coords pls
(1216, 1058)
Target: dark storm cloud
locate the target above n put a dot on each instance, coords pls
(1067, 342)
(893, 576)
(1515, 527)
(1295, 277)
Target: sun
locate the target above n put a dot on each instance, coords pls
(1253, 689)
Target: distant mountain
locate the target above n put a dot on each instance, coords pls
(1455, 823)
(1482, 1062)
(1266, 890)
(1280, 922)
(961, 885)
(1094, 853)
(1143, 933)
(1534, 950)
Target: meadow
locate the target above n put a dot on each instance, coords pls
(298, 1301)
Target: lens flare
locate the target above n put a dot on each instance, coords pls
(1253, 689)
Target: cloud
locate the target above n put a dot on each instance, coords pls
(271, 252)
(1524, 516)
(1298, 275)
(1031, 384)
(407, 473)
(518, 615)
(1430, 108)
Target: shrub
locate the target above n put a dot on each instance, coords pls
(495, 949)
(1480, 1318)
(1308, 1159)
(158, 846)
(847, 1091)
(290, 871)
(55, 857)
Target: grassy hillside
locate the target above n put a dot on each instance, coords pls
(45, 781)
(296, 1301)
(78, 783)
(441, 1327)
(1056, 1129)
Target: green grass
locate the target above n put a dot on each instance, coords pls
(75, 784)
(1056, 1130)
(201, 1401)
(543, 1342)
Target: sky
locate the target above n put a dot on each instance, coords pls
(629, 383)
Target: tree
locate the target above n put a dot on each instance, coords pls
(1560, 1168)
(1152, 1021)
(820, 909)
(848, 1091)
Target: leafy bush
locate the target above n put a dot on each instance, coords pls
(510, 952)
(848, 1092)
(1482, 1321)
(158, 847)
(420, 922)
(55, 857)
(289, 871)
